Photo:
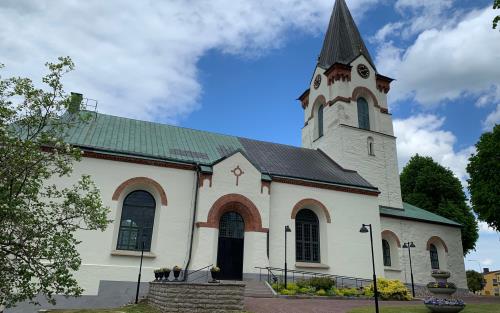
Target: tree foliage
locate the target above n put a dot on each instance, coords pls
(430, 186)
(38, 219)
(484, 181)
(474, 280)
(496, 20)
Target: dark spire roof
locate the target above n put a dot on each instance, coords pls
(343, 42)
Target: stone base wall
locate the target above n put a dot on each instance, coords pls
(196, 297)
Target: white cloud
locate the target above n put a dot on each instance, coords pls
(139, 58)
(487, 261)
(423, 134)
(483, 227)
(492, 119)
(445, 63)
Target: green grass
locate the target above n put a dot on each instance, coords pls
(469, 308)
(140, 308)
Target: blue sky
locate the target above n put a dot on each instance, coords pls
(236, 67)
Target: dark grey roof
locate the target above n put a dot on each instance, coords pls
(289, 161)
(343, 42)
(117, 135)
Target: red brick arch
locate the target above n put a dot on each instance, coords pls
(319, 100)
(235, 203)
(364, 92)
(389, 233)
(304, 203)
(438, 240)
(141, 181)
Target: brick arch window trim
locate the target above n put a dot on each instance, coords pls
(389, 234)
(436, 240)
(235, 203)
(320, 100)
(307, 203)
(141, 181)
(365, 93)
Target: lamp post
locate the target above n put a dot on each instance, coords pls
(410, 245)
(375, 290)
(287, 230)
(140, 270)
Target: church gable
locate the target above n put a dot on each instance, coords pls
(236, 172)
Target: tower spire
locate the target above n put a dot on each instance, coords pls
(343, 42)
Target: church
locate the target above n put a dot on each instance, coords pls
(196, 198)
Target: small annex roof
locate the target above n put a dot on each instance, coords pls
(343, 42)
(141, 139)
(412, 212)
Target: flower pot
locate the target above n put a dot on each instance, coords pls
(445, 308)
(441, 276)
(157, 276)
(214, 275)
(166, 274)
(176, 275)
(441, 290)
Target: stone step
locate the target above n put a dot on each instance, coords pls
(258, 289)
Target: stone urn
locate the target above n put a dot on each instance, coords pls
(442, 290)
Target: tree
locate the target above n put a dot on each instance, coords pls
(474, 280)
(496, 20)
(38, 219)
(484, 181)
(432, 187)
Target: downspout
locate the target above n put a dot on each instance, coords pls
(196, 186)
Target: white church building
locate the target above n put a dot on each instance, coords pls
(198, 198)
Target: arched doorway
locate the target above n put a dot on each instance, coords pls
(230, 246)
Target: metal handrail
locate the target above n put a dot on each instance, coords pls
(196, 271)
(339, 279)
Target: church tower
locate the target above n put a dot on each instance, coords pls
(345, 108)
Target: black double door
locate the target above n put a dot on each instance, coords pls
(230, 246)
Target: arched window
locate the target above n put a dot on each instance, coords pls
(434, 257)
(136, 223)
(320, 120)
(386, 251)
(363, 114)
(371, 147)
(307, 236)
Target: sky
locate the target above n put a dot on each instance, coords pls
(236, 66)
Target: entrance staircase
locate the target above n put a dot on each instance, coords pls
(258, 289)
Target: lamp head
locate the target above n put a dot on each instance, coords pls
(412, 245)
(405, 245)
(287, 229)
(363, 229)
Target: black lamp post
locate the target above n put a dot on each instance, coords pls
(287, 230)
(140, 270)
(410, 245)
(375, 290)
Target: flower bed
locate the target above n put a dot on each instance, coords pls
(444, 305)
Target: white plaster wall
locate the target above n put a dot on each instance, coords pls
(172, 222)
(420, 233)
(223, 183)
(344, 249)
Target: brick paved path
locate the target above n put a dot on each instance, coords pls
(279, 305)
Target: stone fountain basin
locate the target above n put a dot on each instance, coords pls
(442, 291)
(445, 308)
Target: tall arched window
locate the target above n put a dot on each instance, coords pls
(320, 120)
(371, 147)
(386, 251)
(136, 223)
(363, 114)
(434, 257)
(307, 236)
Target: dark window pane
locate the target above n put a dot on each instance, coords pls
(363, 114)
(434, 257)
(320, 120)
(231, 225)
(307, 236)
(386, 250)
(136, 224)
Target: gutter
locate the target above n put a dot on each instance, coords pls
(195, 206)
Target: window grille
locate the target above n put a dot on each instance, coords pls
(434, 257)
(363, 114)
(307, 246)
(231, 225)
(386, 250)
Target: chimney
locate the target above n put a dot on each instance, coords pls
(486, 270)
(75, 102)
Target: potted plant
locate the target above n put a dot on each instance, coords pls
(177, 272)
(166, 272)
(214, 271)
(157, 274)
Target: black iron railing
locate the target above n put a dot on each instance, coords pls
(199, 275)
(276, 275)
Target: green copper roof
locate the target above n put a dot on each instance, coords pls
(414, 213)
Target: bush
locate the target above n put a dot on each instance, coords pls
(319, 283)
(306, 290)
(303, 283)
(390, 290)
(292, 286)
(321, 292)
(288, 292)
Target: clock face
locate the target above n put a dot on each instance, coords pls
(363, 71)
(317, 81)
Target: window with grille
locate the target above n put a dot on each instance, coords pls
(434, 257)
(386, 251)
(136, 223)
(363, 114)
(320, 120)
(231, 225)
(307, 236)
